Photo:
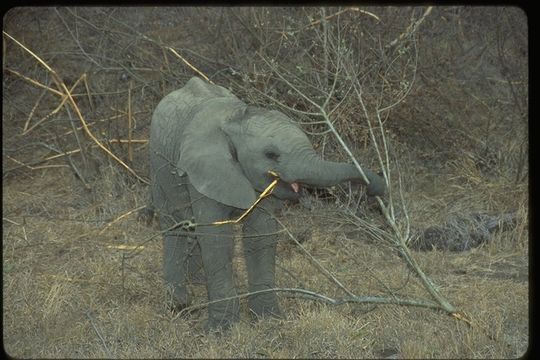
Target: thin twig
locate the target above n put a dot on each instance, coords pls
(120, 218)
(98, 333)
(130, 125)
(31, 114)
(46, 117)
(95, 122)
(32, 167)
(315, 261)
(11, 221)
(35, 82)
(65, 153)
(88, 93)
(411, 28)
(126, 141)
(189, 64)
(313, 23)
(76, 135)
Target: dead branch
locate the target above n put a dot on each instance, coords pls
(411, 29)
(66, 92)
(35, 82)
(189, 64)
(327, 273)
(31, 114)
(124, 215)
(316, 22)
(397, 238)
(30, 167)
(311, 295)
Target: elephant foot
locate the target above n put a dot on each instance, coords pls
(217, 327)
(176, 308)
(177, 299)
(273, 312)
(222, 316)
(214, 328)
(265, 307)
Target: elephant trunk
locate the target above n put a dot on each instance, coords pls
(323, 173)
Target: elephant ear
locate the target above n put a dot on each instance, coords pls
(207, 156)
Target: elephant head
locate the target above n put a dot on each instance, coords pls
(228, 148)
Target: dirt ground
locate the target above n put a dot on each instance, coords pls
(82, 276)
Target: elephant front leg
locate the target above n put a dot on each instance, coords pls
(260, 244)
(217, 254)
(216, 244)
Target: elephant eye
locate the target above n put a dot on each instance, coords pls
(272, 155)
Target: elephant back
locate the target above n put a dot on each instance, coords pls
(176, 110)
(202, 89)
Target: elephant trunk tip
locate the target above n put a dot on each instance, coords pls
(376, 187)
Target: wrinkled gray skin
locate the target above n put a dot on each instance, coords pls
(210, 155)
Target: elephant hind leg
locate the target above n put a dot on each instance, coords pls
(192, 258)
(181, 254)
(182, 265)
(175, 269)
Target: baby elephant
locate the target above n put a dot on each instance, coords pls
(210, 158)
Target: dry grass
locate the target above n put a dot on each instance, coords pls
(78, 285)
(69, 292)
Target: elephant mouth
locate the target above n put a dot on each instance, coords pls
(287, 191)
(292, 188)
(292, 185)
(284, 185)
